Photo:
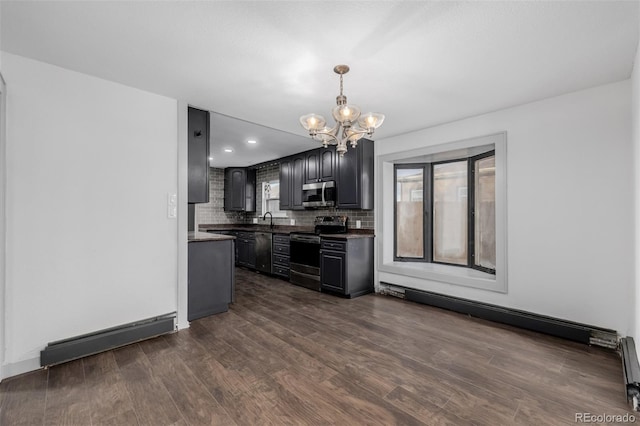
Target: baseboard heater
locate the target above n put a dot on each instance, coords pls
(553, 326)
(631, 371)
(104, 340)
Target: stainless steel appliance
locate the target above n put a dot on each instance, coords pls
(319, 194)
(263, 251)
(305, 251)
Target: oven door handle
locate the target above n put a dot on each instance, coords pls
(313, 277)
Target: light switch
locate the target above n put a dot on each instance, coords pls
(172, 206)
(293, 222)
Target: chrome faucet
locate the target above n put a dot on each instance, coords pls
(270, 217)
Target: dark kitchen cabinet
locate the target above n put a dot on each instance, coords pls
(320, 164)
(239, 189)
(280, 265)
(246, 243)
(233, 234)
(292, 177)
(297, 180)
(210, 278)
(333, 270)
(346, 266)
(327, 164)
(198, 156)
(354, 177)
(312, 171)
(285, 183)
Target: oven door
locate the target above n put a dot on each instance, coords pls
(304, 266)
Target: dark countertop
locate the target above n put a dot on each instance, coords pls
(349, 235)
(207, 236)
(284, 229)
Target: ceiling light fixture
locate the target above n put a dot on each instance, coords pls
(251, 141)
(350, 125)
(228, 150)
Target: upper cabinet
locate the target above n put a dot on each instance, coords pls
(198, 153)
(355, 177)
(292, 177)
(239, 189)
(286, 170)
(297, 180)
(320, 165)
(352, 173)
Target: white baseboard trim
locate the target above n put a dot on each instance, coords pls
(20, 367)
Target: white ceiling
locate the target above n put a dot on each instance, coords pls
(268, 62)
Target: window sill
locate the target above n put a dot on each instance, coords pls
(280, 215)
(445, 273)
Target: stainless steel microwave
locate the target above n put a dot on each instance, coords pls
(319, 194)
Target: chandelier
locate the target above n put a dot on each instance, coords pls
(350, 124)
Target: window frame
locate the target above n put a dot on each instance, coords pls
(263, 200)
(428, 203)
(426, 207)
(432, 184)
(471, 222)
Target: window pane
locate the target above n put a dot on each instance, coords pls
(409, 213)
(270, 198)
(485, 215)
(450, 213)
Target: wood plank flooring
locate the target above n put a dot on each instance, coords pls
(286, 355)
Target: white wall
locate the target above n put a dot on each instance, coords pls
(635, 107)
(89, 244)
(3, 170)
(570, 205)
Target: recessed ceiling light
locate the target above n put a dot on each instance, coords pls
(210, 158)
(251, 141)
(228, 150)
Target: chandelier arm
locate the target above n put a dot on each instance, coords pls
(358, 132)
(327, 134)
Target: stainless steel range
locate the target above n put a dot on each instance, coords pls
(305, 250)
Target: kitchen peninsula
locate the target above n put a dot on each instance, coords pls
(211, 274)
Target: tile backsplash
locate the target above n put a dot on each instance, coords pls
(213, 211)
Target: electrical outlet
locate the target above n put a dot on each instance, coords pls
(255, 220)
(293, 222)
(358, 224)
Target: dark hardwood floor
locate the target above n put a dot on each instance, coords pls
(287, 355)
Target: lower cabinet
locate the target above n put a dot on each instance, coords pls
(333, 270)
(346, 266)
(211, 277)
(280, 256)
(246, 249)
(233, 234)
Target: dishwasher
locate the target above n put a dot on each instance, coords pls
(263, 251)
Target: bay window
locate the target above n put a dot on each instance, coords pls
(444, 212)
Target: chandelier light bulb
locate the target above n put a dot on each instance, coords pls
(312, 122)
